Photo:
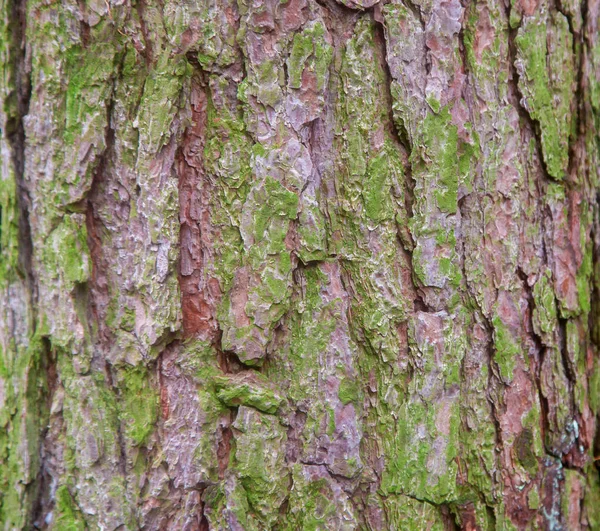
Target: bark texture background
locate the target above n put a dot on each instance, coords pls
(299, 264)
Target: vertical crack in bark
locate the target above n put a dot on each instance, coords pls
(94, 295)
(199, 293)
(463, 203)
(397, 132)
(97, 290)
(140, 6)
(225, 442)
(16, 108)
(400, 136)
(576, 149)
(163, 395)
(20, 70)
(84, 29)
(43, 484)
(539, 360)
(516, 96)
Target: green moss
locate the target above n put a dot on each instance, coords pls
(409, 514)
(138, 405)
(348, 391)
(309, 51)
(533, 499)
(260, 463)
(89, 72)
(591, 501)
(547, 84)
(9, 230)
(440, 142)
(544, 313)
(128, 319)
(506, 349)
(67, 514)
(311, 328)
(434, 104)
(23, 418)
(410, 449)
(312, 232)
(278, 202)
(66, 250)
(159, 102)
(313, 505)
(244, 391)
(574, 484)
(382, 171)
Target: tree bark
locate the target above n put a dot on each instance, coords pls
(299, 264)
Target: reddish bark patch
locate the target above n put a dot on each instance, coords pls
(197, 308)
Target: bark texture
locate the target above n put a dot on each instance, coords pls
(299, 264)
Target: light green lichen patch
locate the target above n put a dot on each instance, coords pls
(544, 313)
(66, 252)
(420, 462)
(440, 153)
(383, 171)
(506, 349)
(228, 157)
(311, 329)
(370, 201)
(247, 389)
(159, 103)
(407, 513)
(67, 515)
(317, 352)
(585, 389)
(591, 501)
(273, 203)
(421, 451)
(265, 223)
(23, 419)
(259, 462)
(138, 404)
(441, 164)
(214, 42)
(89, 72)
(574, 484)
(349, 391)
(362, 115)
(547, 73)
(310, 52)
(91, 417)
(312, 231)
(317, 503)
(9, 230)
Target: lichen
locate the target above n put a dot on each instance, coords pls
(243, 390)
(546, 68)
(138, 404)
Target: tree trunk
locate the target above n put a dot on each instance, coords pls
(299, 264)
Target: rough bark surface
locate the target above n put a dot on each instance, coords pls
(299, 264)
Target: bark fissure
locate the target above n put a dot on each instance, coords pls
(516, 98)
(15, 132)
